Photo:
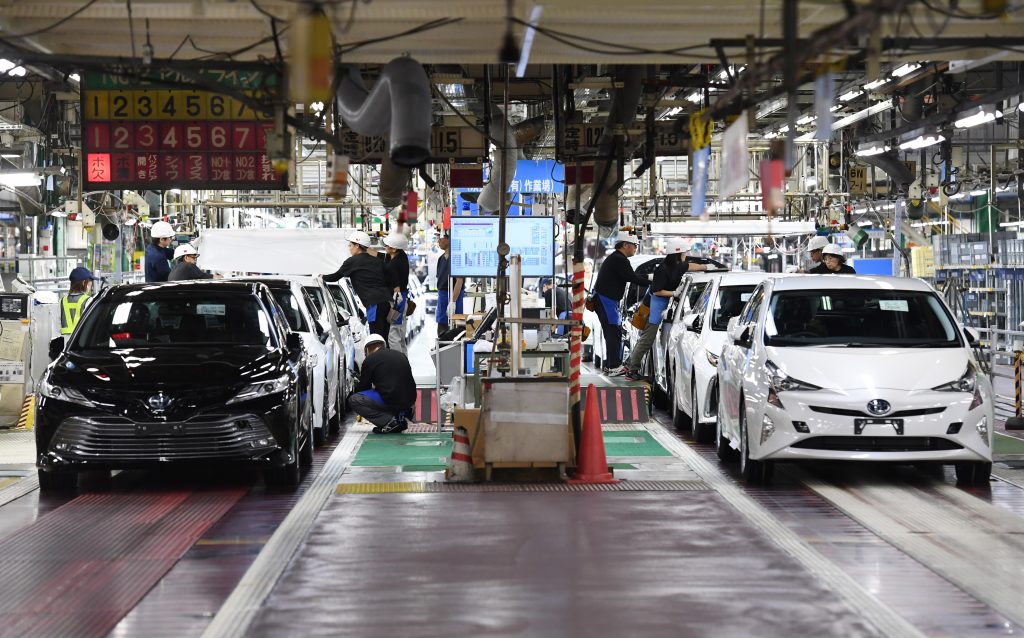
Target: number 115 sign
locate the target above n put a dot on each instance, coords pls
(141, 136)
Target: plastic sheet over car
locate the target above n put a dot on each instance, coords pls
(285, 251)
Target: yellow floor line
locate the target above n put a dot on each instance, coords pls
(11, 480)
(380, 488)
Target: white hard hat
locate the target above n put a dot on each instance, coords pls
(184, 249)
(372, 339)
(832, 249)
(361, 238)
(161, 230)
(676, 245)
(397, 241)
(817, 243)
(625, 235)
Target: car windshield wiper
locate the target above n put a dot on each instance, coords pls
(854, 344)
(933, 344)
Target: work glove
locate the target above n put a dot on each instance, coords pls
(451, 310)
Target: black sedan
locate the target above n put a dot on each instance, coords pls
(188, 372)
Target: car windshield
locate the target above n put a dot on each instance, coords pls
(149, 318)
(859, 318)
(728, 304)
(290, 304)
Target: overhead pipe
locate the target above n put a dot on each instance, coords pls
(625, 102)
(393, 182)
(398, 106)
(503, 162)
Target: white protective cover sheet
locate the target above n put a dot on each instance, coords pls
(284, 251)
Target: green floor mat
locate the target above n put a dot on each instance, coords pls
(410, 450)
(622, 466)
(1005, 444)
(632, 443)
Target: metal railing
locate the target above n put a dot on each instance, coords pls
(1000, 352)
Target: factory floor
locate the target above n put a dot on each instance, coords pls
(374, 543)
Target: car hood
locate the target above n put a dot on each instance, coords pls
(867, 368)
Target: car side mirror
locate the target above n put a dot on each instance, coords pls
(739, 334)
(973, 336)
(691, 322)
(293, 342)
(56, 347)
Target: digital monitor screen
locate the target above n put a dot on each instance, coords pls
(475, 244)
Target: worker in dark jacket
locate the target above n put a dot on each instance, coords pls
(185, 267)
(667, 277)
(159, 253)
(396, 271)
(449, 300)
(386, 392)
(613, 277)
(367, 275)
(833, 262)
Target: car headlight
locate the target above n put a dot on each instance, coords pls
(779, 381)
(966, 383)
(712, 358)
(62, 393)
(263, 388)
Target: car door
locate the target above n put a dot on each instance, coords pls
(690, 344)
(734, 364)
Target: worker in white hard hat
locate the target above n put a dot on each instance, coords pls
(396, 270)
(385, 394)
(185, 268)
(667, 278)
(450, 290)
(814, 247)
(615, 274)
(366, 273)
(833, 262)
(159, 253)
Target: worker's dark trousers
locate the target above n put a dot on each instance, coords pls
(370, 409)
(612, 338)
(380, 325)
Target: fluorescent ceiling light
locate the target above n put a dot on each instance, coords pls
(874, 109)
(807, 119)
(866, 223)
(874, 85)
(1020, 107)
(771, 107)
(74, 77)
(849, 95)
(695, 97)
(938, 222)
(784, 128)
(872, 148)
(10, 156)
(18, 72)
(909, 67)
(979, 193)
(1011, 224)
(20, 179)
(984, 113)
(835, 107)
(6, 65)
(958, 196)
(922, 141)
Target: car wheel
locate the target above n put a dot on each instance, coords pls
(973, 472)
(701, 431)
(306, 451)
(320, 433)
(54, 480)
(660, 396)
(679, 418)
(339, 412)
(753, 472)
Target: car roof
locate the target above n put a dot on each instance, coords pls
(849, 282)
(743, 278)
(222, 285)
(274, 282)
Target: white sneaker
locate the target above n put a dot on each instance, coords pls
(618, 372)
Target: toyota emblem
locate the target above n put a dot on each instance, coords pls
(879, 407)
(159, 402)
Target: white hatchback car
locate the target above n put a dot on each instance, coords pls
(696, 343)
(857, 368)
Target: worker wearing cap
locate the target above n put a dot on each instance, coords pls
(833, 262)
(159, 253)
(814, 247)
(396, 271)
(615, 274)
(73, 304)
(667, 278)
(386, 392)
(449, 301)
(185, 268)
(366, 273)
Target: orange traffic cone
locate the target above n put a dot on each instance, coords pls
(460, 466)
(592, 466)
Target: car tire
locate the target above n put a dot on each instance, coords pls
(753, 472)
(306, 451)
(973, 472)
(722, 448)
(680, 419)
(339, 413)
(701, 431)
(320, 433)
(53, 480)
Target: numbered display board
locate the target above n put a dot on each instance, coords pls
(139, 135)
(582, 139)
(475, 245)
(457, 143)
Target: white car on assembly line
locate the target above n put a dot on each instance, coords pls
(858, 368)
(696, 343)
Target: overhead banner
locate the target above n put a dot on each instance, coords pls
(699, 191)
(277, 251)
(735, 158)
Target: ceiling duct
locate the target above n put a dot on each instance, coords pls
(399, 106)
(503, 161)
(893, 166)
(394, 180)
(623, 110)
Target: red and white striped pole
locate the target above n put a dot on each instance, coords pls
(576, 348)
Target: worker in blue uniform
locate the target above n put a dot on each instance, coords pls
(449, 301)
(159, 253)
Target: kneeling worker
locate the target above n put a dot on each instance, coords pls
(185, 257)
(386, 392)
(833, 262)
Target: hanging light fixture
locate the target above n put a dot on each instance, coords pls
(982, 115)
(872, 148)
(906, 69)
(923, 140)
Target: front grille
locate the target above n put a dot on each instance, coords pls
(878, 444)
(899, 414)
(204, 437)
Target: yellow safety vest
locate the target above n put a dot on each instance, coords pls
(71, 312)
